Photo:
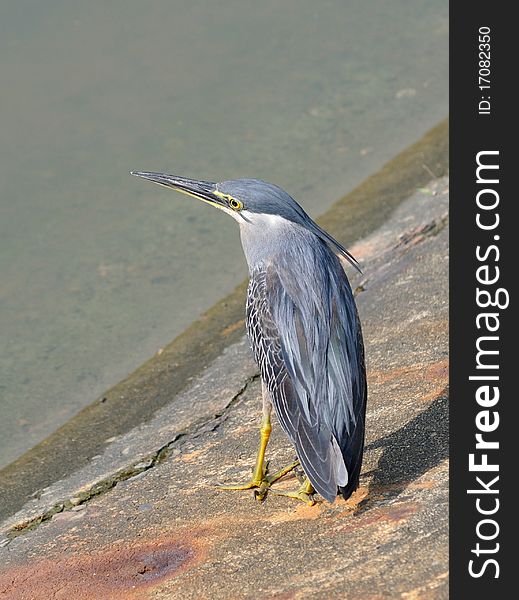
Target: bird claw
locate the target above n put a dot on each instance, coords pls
(261, 487)
(239, 486)
(308, 499)
(261, 493)
(305, 493)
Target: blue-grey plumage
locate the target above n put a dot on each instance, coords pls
(306, 337)
(303, 326)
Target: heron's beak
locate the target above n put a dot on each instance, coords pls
(203, 190)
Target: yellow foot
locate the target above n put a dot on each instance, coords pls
(261, 485)
(305, 493)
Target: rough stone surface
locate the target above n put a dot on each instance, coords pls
(150, 524)
(129, 455)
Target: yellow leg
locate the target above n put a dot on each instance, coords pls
(260, 469)
(260, 479)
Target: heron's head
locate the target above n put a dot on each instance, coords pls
(251, 202)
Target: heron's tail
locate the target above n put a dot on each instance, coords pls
(352, 454)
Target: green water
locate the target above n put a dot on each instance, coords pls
(99, 270)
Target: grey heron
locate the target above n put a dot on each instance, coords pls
(305, 334)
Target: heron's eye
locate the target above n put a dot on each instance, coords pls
(235, 204)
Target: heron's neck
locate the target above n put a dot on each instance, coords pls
(265, 236)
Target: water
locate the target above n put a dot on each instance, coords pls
(97, 269)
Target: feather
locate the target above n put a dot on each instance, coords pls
(305, 334)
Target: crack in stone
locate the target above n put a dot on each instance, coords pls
(420, 233)
(144, 464)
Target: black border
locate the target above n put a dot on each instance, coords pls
(471, 133)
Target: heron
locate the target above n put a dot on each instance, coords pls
(304, 330)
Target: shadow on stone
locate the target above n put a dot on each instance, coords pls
(412, 450)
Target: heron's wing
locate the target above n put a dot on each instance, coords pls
(308, 359)
(312, 444)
